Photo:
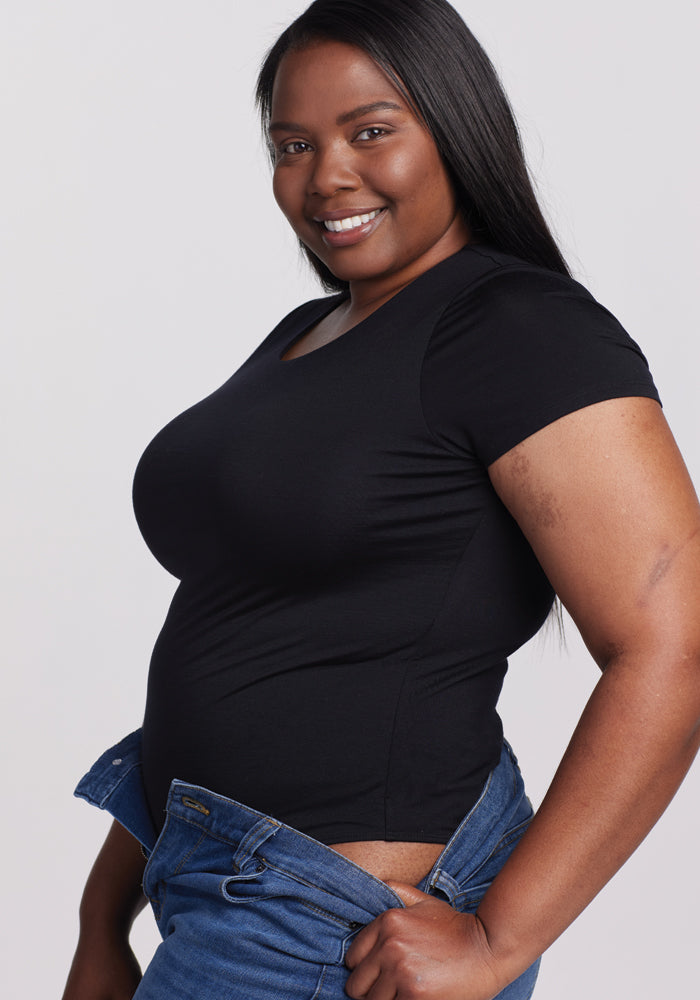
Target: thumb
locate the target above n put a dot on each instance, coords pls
(408, 893)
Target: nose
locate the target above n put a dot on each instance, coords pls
(333, 170)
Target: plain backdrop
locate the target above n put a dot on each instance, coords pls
(142, 258)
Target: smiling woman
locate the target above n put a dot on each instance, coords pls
(359, 149)
(359, 178)
(420, 461)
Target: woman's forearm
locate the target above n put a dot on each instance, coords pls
(630, 751)
(104, 965)
(113, 894)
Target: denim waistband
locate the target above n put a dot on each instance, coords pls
(115, 783)
(495, 820)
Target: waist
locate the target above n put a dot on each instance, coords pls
(496, 819)
(372, 751)
(392, 861)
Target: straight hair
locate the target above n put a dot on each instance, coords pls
(441, 70)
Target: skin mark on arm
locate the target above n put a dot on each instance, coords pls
(662, 565)
(541, 504)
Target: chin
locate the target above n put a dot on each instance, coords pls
(349, 270)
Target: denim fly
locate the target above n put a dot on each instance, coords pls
(252, 909)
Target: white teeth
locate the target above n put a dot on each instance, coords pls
(352, 222)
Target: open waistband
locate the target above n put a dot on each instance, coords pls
(115, 783)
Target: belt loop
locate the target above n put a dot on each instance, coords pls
(257, 835)
(446, 884)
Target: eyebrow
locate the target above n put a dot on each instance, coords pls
(347, 116)
(367, 109)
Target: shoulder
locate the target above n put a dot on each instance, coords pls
(517, 347)
(511, 300)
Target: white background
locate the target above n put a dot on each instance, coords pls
(142, 258)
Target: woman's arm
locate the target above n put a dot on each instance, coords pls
(606, 502)
(618, 532)
(104, 966)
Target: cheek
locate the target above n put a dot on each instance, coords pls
(278, 189)
(421, 181)
(399, 179)
(284, 190)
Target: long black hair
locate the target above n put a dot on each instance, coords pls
(439, 67)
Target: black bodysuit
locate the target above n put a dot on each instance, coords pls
(351, 585)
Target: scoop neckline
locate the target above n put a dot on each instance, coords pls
(332, 303)
(340, 297)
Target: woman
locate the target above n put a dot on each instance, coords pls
(367, 519)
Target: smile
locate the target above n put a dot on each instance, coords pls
(351, 222)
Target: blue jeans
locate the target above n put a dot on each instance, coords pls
(251, 909)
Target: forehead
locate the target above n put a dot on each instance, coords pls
(325, 79)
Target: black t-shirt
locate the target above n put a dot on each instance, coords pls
(351, 585)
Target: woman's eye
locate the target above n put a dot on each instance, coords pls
(297, 146)
(375, 132)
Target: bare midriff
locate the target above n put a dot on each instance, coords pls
(392, 861)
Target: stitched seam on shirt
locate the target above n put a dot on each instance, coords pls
(414, 655)
(390, 755)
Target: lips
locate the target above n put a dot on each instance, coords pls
(347, 213)
(350, 221)
(346, 227)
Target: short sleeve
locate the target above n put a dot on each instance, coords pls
(517, 351)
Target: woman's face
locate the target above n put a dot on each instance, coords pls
(357, 175)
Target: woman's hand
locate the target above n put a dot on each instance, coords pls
(427, 951)
(105, 969)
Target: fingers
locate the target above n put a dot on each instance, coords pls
(369, 981)
(367, 938)
(374, 953)
(408, 894)
(372, 958)
(366, 981)
(362, 945)
(380, 990)
(364, 984)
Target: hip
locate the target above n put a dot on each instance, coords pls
(244, 899)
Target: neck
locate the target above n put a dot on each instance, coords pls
(369, 294)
